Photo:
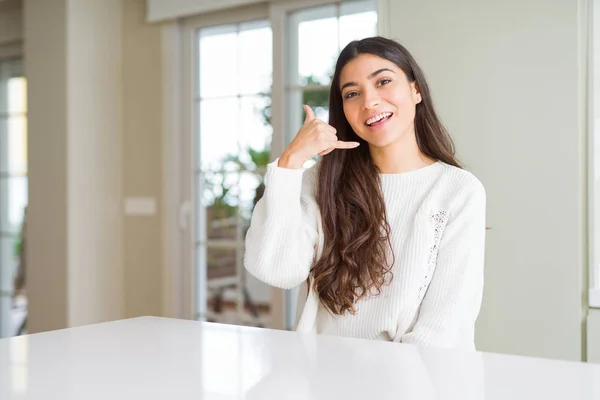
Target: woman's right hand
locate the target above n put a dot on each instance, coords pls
(315, 137)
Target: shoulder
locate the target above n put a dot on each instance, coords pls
(460, 182)
(459, 189)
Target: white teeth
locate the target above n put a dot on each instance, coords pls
(377, 118)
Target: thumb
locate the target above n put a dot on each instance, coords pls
(310, 114)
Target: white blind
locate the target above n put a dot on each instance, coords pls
(160, 10)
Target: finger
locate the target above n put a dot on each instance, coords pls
(331, 129)
(310, 114)
(327, 151)
(346, 145)
(325, 128)
(330, 136)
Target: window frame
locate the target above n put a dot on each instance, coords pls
(190, 27)
(593, 141)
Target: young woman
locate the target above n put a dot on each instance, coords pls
(387, 229)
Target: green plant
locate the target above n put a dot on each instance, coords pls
(217, 190)
(260, 158)
(318, 98)
(18, 246)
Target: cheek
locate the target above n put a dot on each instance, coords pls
(405, 105)
(400, 98)
(352, 113)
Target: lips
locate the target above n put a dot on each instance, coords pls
(379, 118)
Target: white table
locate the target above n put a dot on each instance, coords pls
(155, 358)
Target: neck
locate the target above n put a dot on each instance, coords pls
(401, 156)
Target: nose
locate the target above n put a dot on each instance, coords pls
(371, 99)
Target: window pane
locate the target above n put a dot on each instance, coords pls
(218, 60)
(224, 293)
(6, 317)
(255, 60)
(221, 263)
(17, 95)
(13, 199)
(219, 131)
(317, 45)
(255, 128)
(16, 159)
(358, 20)
(3, 145)
(13, 190)
(318, 100)
(222, 279)
(218, 197)
(9, 249)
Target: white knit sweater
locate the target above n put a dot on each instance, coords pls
(437, 220)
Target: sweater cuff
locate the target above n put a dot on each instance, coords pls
(283, 184)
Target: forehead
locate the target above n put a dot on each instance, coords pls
(360, 67)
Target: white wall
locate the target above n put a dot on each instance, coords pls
(45, 49)
(507, 78)
(593, 336)
(73, 66)
(95, 131)
(142, 163)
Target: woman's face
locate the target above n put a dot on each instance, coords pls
(379, 102)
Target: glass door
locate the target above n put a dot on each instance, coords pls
(13, 198)
(232, 148)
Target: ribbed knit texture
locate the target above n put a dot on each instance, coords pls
(437, 219)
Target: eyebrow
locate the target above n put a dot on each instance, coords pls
(371, 76)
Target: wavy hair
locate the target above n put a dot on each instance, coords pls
(357, 257)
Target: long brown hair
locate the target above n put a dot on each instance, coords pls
(357, 256)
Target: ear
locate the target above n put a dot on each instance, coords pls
(416, 93)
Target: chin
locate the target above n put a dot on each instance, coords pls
(379, 140)
(384, 138)
(380, 143)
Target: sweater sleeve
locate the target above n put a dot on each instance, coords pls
(453, 299)
(283, 232)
